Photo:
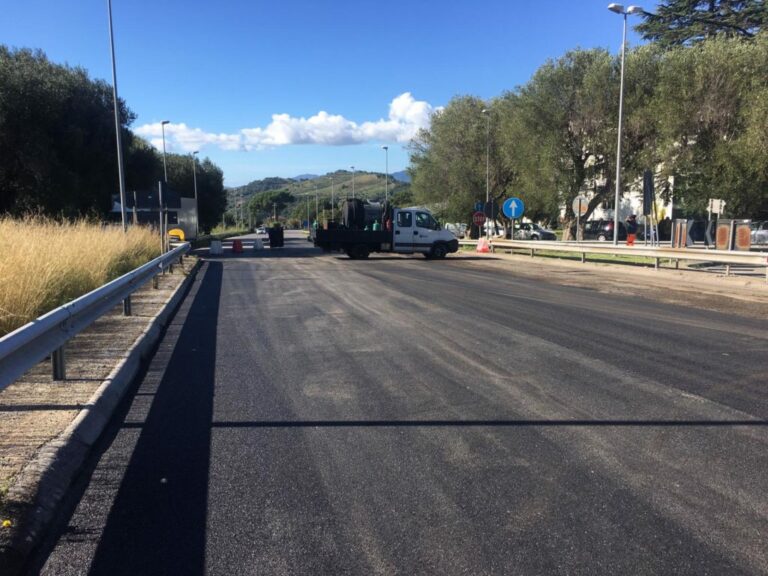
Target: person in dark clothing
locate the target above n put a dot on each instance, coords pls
(631, 230)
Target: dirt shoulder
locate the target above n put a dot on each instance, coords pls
(743, 296)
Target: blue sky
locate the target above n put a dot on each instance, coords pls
(281, 88)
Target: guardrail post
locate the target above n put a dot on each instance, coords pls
(583, 257)
(155, 284)
(656, 264)
(727, 269)
(127, 306)
(58, 364)
(531, 252)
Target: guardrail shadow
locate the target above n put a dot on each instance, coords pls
(157, 523)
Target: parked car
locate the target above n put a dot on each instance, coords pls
(601, 230)
(261, 230)
(759, 232)
(531, 231)
(459, 229)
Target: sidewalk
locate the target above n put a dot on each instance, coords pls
(35, 410)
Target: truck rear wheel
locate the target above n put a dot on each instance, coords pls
(358, 252)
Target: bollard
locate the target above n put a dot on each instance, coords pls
(155, 283)
(58, 364)
(127, 306)
(237, 246)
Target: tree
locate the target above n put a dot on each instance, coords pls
(448, 161)
(685, 22)
(559, 129)
(211, 197)
(712, 124)
(57, 137)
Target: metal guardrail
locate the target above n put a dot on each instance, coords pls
(47, 335)
(719, 256)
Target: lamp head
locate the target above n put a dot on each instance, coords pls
(635, 10)
(164, 122)
(618, 8)
(385, 147)
(195, 152)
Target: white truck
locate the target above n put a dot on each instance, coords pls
(367, 228)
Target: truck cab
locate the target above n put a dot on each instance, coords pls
(416, 230)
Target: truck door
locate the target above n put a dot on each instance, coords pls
(404, 231)
(425, 233)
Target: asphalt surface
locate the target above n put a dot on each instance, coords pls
(309, 414)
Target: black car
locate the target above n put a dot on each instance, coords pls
(601, 230)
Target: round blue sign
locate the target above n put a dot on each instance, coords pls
(513, 208)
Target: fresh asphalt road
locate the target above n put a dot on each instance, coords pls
(309, 414)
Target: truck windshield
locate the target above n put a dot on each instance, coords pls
(424, 220)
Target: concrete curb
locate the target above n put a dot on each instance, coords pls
(40, 488)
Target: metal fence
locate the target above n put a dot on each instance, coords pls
(757, 259)
(47, 336)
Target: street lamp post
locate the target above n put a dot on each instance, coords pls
(333, 202)
(165, 167)
(487, 114)
(619, 9)
(120, 170)
(353, 182)
(194, 181)
(386, 173)
(317, 204)
(308, 223)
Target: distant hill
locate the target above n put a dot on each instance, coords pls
(367, 185)
(402, 176)
(305, 177)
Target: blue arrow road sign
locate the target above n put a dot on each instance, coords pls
(513, 208)
(478, 206)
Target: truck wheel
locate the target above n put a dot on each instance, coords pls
(439, 251)
(359, 252)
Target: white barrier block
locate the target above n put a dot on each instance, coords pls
(258, 244)
(216, 249)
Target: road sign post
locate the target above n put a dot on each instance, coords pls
(478, 219)
(580, 206)
(513, 209)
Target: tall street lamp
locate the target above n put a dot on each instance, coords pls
(194, 180)
(619, 9)
(317, 204)
(386, 175)
(353, 182)
(333, 201)
(487, 114)
(165, 167)
(120, 169)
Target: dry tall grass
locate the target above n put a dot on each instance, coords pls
(44, 264)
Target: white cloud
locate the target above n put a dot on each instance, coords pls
(406, 117)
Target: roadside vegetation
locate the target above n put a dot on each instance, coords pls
(57, 146)
(695, 112)
(45, 263)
